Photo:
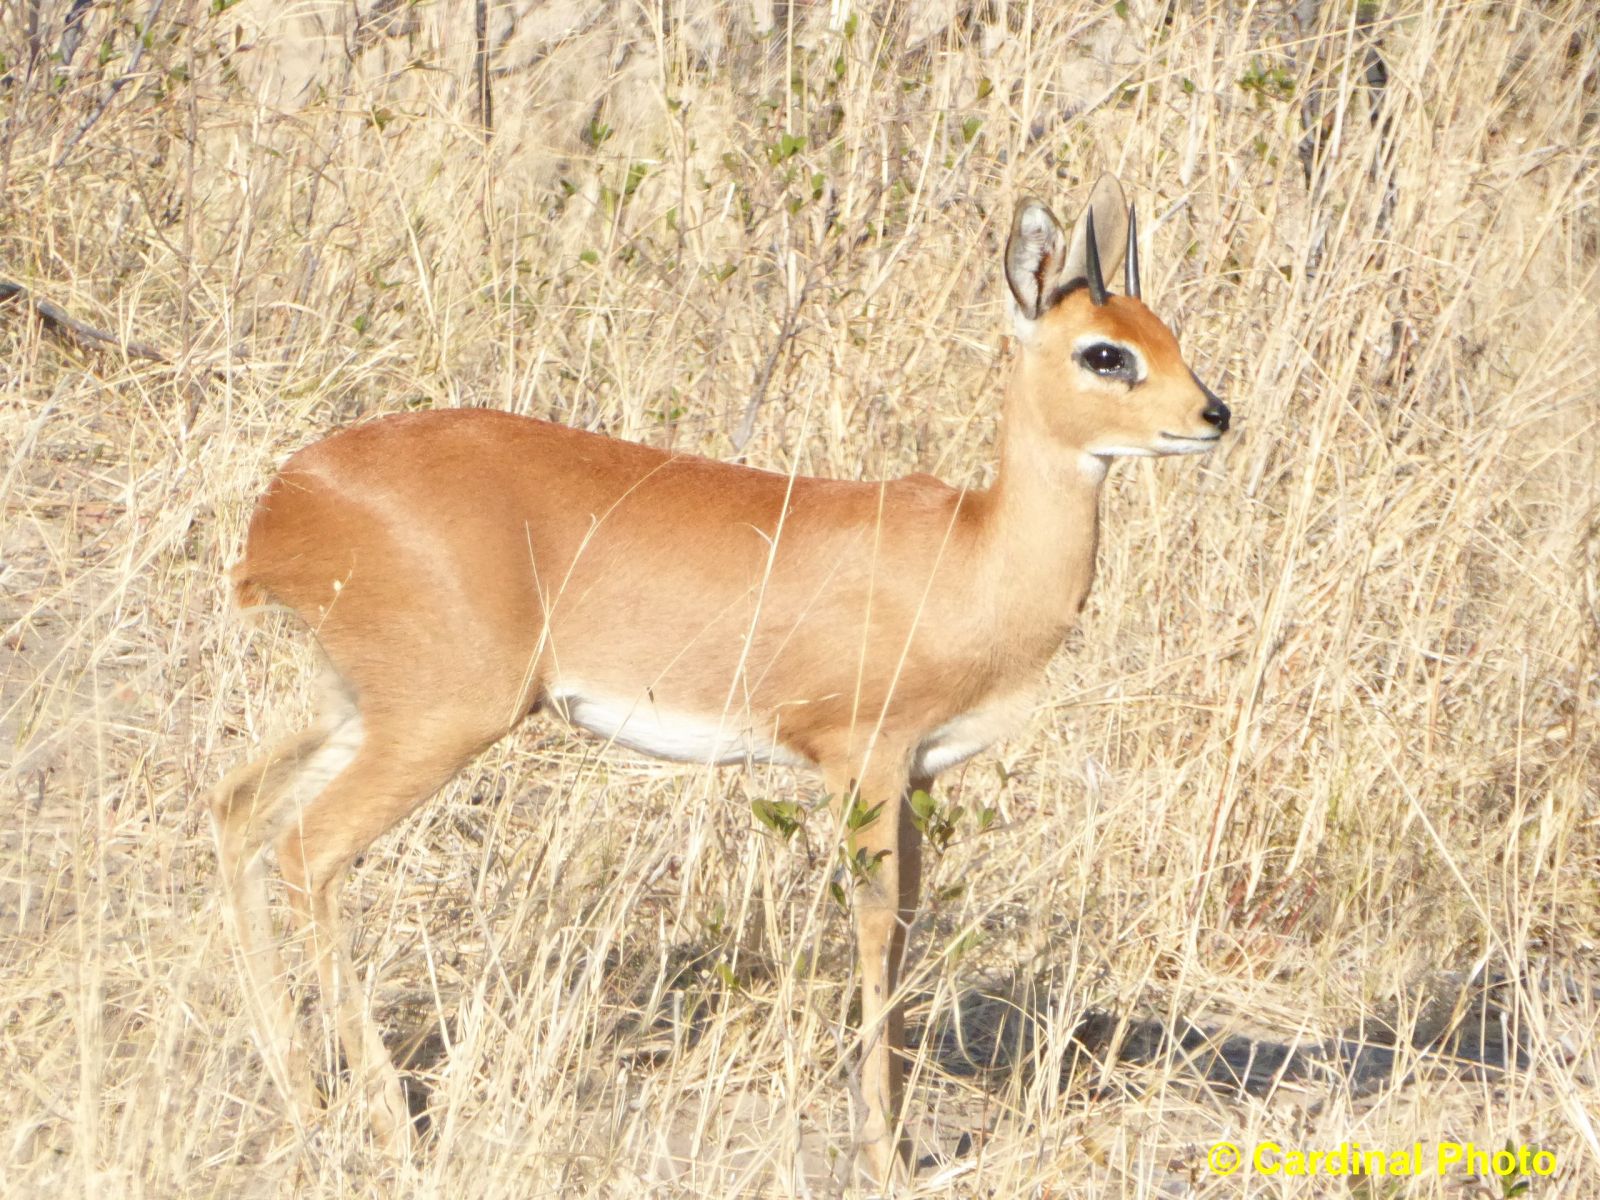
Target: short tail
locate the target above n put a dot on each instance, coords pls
(247, 592)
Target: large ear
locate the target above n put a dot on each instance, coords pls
(1110, 231)
(1035, 252)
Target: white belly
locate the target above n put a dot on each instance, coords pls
(959, 738)
(640, 724)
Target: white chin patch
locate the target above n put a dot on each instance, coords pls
(1164, 447)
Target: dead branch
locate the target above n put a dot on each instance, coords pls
(60, 320)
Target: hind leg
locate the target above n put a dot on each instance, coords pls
(395, 769)
(248, 809)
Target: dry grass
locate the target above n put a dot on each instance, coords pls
(1322, 761)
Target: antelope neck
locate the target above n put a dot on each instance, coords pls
(1037, 526)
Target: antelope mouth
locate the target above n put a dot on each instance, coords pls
(1191, 445)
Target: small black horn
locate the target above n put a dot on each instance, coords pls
(1130, 262)
(1091, 262)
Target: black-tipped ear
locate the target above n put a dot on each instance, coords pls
(1035, 252)
(1130, 260)
(1091, 264)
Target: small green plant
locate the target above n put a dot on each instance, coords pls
(783, 817)
(963, 945)
(858, 864)
(1511, 1185)
(636, 175)
(785, 148)
(938, 826)
(1267, 83)
(858, 815)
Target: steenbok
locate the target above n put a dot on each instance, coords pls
(466, 568)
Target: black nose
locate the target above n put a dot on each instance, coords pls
(1215, 412)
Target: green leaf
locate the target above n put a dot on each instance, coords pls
(858, 816)
(964, 944)
(970, 127)
(785, 148)
(783, 817)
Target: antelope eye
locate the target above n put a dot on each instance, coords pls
(1104, 359)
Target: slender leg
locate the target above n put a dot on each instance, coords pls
(247, 809)
(392, 773)
(885, 901)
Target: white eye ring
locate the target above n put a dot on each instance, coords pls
(1131, 370)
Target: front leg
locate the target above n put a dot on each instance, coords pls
(886, 854)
